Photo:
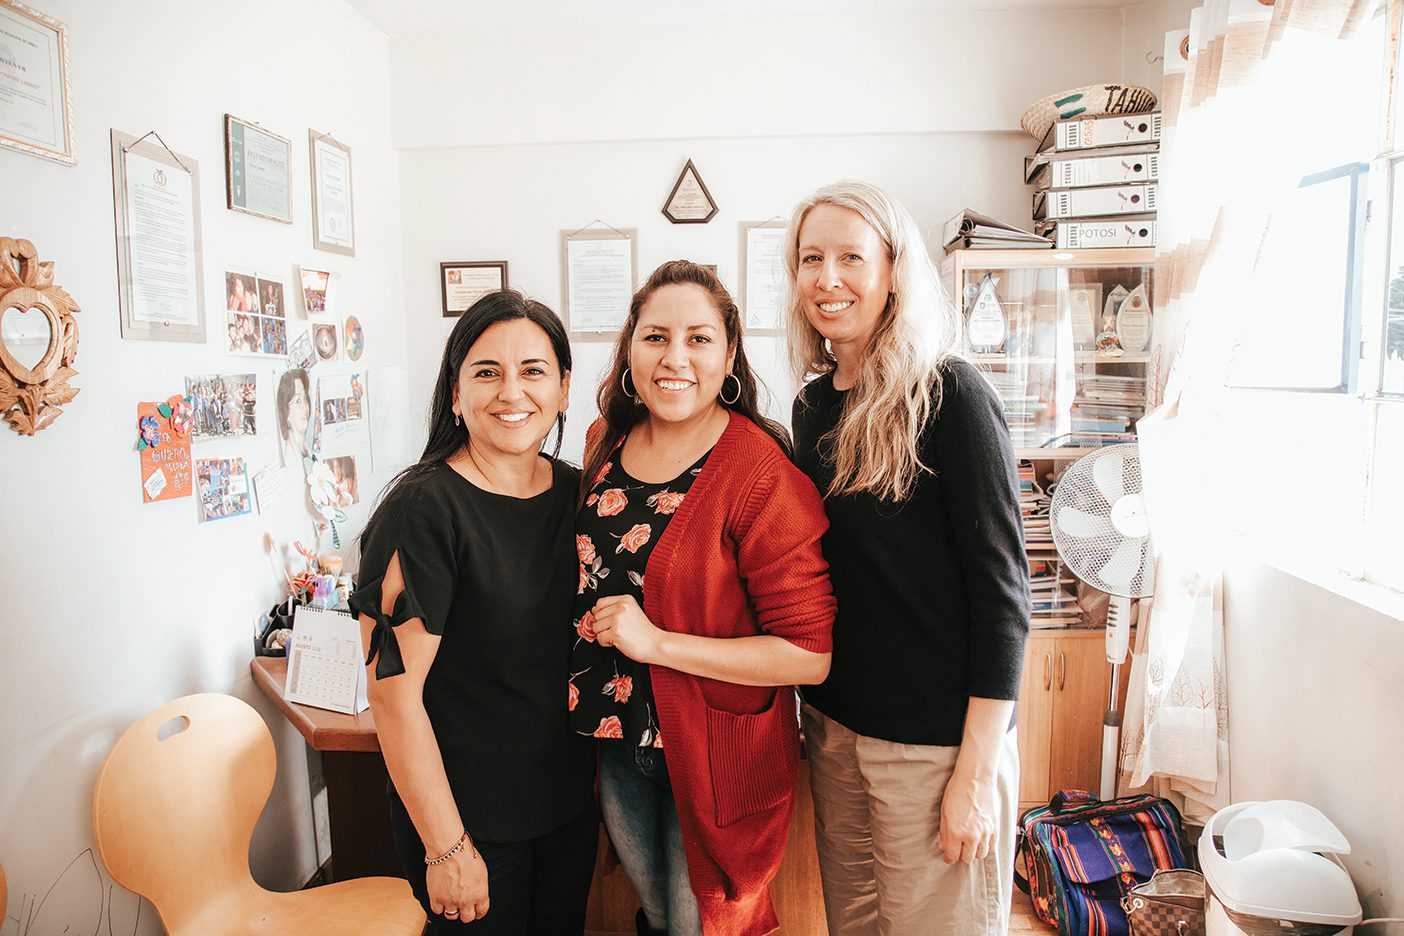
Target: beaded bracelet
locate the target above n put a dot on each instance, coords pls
(457, 847)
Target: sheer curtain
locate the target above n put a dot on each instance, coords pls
(1248, 110)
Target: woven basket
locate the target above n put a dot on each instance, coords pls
(1089, 101)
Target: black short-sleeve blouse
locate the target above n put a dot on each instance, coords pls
(495, 576)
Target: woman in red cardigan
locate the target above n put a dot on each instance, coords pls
(692, 491)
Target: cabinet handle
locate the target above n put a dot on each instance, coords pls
(1048, 671)
(1062, 670)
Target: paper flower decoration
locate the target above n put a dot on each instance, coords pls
(181, 415)
(322, 490)
(150, 433)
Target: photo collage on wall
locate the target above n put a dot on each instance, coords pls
(256, 320)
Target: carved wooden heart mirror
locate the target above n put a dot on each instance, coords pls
(38, 339)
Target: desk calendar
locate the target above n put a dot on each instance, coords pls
(326, 664)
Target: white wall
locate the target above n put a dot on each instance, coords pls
(1316, 687)
(513, 135)
(112, 606)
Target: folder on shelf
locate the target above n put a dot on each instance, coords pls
(971, 225)
(1095, 202)
(1111, 130)
(1099, 232)
(1062, 171)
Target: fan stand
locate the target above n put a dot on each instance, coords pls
(1118, 642)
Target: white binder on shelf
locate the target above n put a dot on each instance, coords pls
(1111, 130)
(1099, 232)
(1082, 171)
(326, 662)
(1095, 202)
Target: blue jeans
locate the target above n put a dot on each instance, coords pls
(636, 798)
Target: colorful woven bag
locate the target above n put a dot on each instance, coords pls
(1083, 855)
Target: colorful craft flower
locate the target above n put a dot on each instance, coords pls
(150, 431)
(182, 413)
(321, 485)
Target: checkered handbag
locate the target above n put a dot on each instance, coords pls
(1171, 903)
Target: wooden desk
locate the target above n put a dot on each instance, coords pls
(358, 809)
(360, 819)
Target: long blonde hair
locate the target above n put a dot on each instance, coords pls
(876, 445)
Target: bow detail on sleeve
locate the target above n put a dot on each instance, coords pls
(384, 647)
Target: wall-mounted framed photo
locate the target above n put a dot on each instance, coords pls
(333, 222)
(258, 170)
(464, 282)
(36, 110)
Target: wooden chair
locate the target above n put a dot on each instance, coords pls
(173, 815)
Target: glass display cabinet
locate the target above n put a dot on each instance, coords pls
(1065, 337)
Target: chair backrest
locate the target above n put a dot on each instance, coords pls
(173, 817)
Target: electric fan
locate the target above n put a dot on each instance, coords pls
(1100, 531)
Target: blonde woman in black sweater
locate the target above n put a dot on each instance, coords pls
(913, 760)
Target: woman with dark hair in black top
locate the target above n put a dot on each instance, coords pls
(466, 587)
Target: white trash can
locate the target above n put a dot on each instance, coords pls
(1272, 870)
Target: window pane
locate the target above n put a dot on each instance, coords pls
(1392, 366)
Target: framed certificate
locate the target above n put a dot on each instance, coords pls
(465, 282)
(258, 170)
(160, 284)
(333, 226)
(764, 282)
(599, 281)
(36, 114)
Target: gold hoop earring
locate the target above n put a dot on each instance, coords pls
(736, 396)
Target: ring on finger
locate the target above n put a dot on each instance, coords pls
(450, 913)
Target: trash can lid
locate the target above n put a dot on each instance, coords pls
(1277, 860)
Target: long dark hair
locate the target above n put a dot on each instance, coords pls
(622, 412)
(445, 438)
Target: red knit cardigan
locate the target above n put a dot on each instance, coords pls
(740, 557)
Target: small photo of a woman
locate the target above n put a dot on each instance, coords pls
(325, 341)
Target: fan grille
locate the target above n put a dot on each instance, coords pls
(1095, 488)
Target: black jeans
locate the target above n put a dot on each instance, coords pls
(535, 888)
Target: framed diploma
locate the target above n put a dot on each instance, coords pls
(257, 170)
(333, 226)
(160, 286)
(36, 113)
(764, 282)
(598, 273)
(465, 282)
(689, 202)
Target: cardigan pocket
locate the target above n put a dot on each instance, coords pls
(753, 759)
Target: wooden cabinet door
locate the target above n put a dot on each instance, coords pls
(1081, 678)
(1035, 718)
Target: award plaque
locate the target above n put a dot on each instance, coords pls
(1133, 321)
(1084, 301)
(1108, 344)
(689, 202)
(985, 325)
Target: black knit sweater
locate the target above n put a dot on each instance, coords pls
(933, 592)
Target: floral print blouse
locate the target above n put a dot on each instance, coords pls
(611, 696)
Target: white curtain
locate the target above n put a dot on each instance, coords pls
(1241, 125)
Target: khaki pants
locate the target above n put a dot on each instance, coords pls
(877, 815)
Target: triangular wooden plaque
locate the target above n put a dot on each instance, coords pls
(690, 202)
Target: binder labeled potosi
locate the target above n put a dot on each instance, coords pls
(1111, 130)
(1095, 202)
(326, 663)
(1099, 232)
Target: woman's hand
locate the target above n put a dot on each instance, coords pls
(458, 888)
(968, 818)
(620, 622)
